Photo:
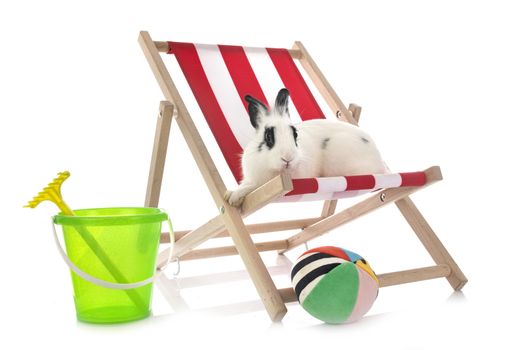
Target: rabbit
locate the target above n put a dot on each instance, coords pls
(312, 148)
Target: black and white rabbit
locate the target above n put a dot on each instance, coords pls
(313, 148)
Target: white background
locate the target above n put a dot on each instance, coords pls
(77, 94)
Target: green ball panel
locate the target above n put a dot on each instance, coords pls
(334, 297)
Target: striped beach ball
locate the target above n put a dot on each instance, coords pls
(334, 284)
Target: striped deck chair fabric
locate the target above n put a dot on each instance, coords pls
(221, 75)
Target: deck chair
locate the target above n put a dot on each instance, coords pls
(219, 77)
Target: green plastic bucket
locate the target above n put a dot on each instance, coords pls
(112, 254)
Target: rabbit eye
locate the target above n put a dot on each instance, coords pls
(269, 137)
(295, 133)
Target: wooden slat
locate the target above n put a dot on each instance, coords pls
(274, 226)
(163, 46)
(414, 275)
(390, 279)
(158, 155)
(356, 111)
(322, 84)
(281, 225)
(288, 295)
(191, 240)
(231, 250)
(431, 242)
(366, 206)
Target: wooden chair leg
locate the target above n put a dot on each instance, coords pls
(256, 268)
(159, 154)
(431, 242)
(329, 208)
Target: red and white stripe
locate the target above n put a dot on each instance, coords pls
(221, 75)
(324, 188)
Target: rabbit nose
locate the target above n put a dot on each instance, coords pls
(287, 162)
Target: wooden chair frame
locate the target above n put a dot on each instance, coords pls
(229, 220)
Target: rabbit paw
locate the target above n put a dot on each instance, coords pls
(234, 198)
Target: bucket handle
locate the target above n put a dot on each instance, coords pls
(98, 281)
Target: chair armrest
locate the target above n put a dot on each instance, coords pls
(266, 193)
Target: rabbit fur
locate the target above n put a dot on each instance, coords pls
(312, 148)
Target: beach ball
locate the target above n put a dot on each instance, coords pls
(334, 285)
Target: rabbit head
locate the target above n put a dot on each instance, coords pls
(276, 138)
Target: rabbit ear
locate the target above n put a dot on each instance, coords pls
(256, 109)
(282, 101)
